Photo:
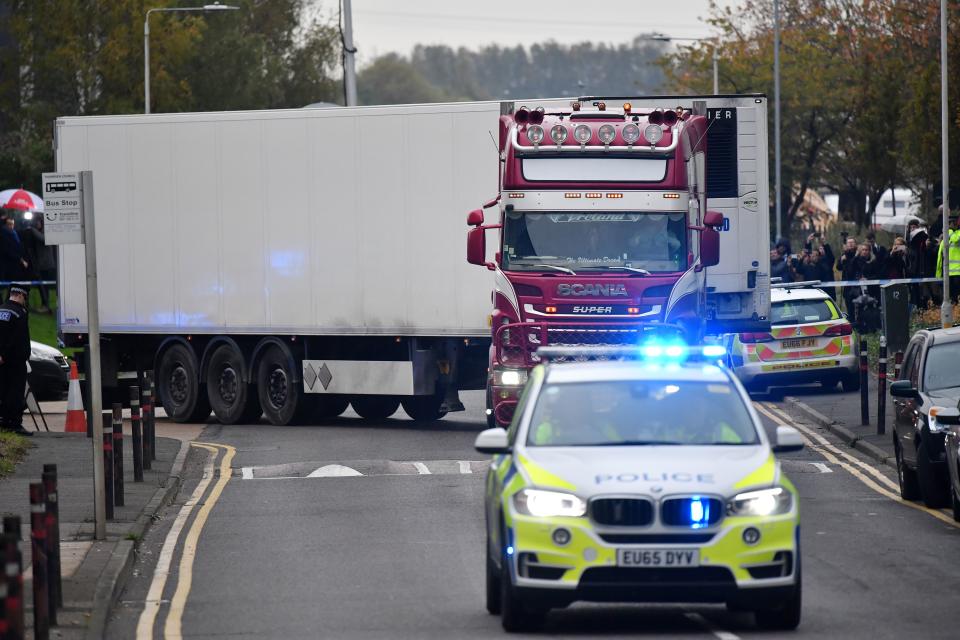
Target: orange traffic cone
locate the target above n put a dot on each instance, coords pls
(76, 417)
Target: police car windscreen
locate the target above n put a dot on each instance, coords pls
(632, 412)
(941, 371)
(595, 240)
(801, 311)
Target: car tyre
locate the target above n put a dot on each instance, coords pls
(375, 407)
(493, 584)
(932, 487)
(829, 384)
(850, 382)
(178, 385)
(907, 478)
(233, 400)
(955, 503)
(784, 616)
(280, 395)
(515, 614)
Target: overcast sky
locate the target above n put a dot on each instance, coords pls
(381, 26)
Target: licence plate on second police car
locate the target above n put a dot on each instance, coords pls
(658, 558)
(798, 343)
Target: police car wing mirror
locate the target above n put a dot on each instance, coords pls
(788, 439)
(945, 415)
(492, 441)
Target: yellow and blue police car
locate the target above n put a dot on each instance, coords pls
(639, 480)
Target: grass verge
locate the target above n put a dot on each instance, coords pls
(12, 450)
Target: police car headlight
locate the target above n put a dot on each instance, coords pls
(509, 377)
(765, 502)
(547, 504)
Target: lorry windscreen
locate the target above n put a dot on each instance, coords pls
(655, 242)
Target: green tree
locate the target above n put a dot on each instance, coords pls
(392, 80)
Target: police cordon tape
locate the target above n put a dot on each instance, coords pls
(852, 283)
(27, 283)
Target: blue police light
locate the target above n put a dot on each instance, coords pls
(675, 351)
(509, 551)
(652, 351)
(699, 513)
(714, 351)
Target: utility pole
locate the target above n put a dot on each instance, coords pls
(946, 309)
(716, 71)
(776, 115)
(349, 64)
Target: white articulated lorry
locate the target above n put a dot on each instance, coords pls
(288, 263)
(285, 262)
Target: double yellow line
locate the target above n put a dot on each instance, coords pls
(173, 627)
(865, 473)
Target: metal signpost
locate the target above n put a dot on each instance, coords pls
(68, 219)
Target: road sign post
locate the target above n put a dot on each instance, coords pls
(68, 219)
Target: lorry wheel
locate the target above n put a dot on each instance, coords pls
(325, 407)
(424, 408)
(375, 407)
(232, 399)
(282, 398)
(178, 386)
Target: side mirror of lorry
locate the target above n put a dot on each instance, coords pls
(475, 218)
(477, 247)
(709, 247)
(713, 219)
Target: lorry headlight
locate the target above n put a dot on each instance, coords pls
(548, 504)
(582, 133)
(509, 377)
(558, 133)
(630, 133)
(765, 502)
(653, 133)
(607, 133)
(535, 134)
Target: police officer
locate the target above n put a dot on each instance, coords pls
(952, 238)
(14, 353)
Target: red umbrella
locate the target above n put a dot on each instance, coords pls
(20, 199)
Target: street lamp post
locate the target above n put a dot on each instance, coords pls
(776, 115)
(946, 309)
(207, 8)
(715, 56)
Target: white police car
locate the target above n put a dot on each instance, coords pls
(639, 481)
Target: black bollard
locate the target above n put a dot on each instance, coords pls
(864, 400)
(153, 416)
(107, 418)
(53, 536)
(882, 387)
(38, 537)
(136, 434)
(118, 454)
(12, 569)
(145, 407)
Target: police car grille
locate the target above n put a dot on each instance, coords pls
(657, 538)
(622, 512)
(676, 512)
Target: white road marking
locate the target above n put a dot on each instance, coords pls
(465, 466)
(720, 634)
(334, 471)
(151, 607)
(822, 467)
(247, 473)
(421, 468)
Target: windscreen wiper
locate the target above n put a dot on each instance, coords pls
(637, 443)
(642, 272)
(553, 266)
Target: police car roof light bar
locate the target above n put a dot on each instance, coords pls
(796, 285)
(670, 353)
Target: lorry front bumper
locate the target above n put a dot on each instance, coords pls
(788, 372)
(586, 569)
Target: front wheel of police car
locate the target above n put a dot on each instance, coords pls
(516, 613)
(783, 616)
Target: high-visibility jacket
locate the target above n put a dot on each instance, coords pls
(954, 254)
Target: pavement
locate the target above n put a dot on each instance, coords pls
(840, 414)
(93, 571)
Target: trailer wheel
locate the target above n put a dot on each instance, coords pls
(375, 407)
(178, 386)
(282, 399)
(326, 407)
(424, 408)
(231, 397)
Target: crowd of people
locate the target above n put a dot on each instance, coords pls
(24, 255)
(918, 255)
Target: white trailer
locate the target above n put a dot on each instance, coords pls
(286, 261)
